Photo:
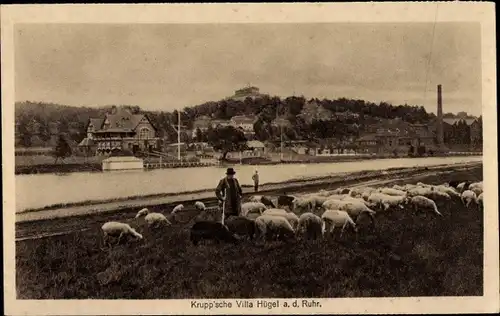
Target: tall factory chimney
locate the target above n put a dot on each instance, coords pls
(440, 137)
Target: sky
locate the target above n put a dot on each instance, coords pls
(171, 66)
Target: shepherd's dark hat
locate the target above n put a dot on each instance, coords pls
(230, 171)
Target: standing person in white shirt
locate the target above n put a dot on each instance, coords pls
(255, 179)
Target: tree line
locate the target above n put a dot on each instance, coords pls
(72, 121)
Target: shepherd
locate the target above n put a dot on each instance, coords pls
(229, 194)
(255, 179)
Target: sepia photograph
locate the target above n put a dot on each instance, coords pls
(250, 159)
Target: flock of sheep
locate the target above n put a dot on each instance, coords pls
(262, 218)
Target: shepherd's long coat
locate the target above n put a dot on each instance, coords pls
(230, 196)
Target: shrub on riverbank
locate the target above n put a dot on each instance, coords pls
(406, 255)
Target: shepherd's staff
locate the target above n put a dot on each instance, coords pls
(224, 205)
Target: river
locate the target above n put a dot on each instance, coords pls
(37, 191)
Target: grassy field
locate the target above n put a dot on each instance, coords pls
(405, 255)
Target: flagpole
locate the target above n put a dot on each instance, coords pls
(179, 135)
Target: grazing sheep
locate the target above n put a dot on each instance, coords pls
(118, 229)
(316, 200)
(437, 195)
(273, 226)
(398, 187)
(177, 209)
(241, 226)
(263, 199)
(323, 193)
(252, 207)
(311, 225)
(355, 210)
(387, 201)
(303, 204)
(477, 190)
(422, 202)
(355, 199)
(392, 192)
(468, 197)
(207, 230)
(275, 211)
(334, 204)
(200, 206)
(337, 218)
(291, 217)
(419, 191)
(448, 190)
(253, 216)
(476, 185)
(463, 186)
(153, 219)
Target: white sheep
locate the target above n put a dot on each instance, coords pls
(468, 197)
(361, 191)
(153, 219)
(177, 209)
(275, 211)
(317, 200)
(311, 225)
(252, 207)
(478, 190)
(422, 202)
(356, 209)
(291, 217)
(334, 204)
(200, 206)
(437, 195)
(274, 225)
(448, 190)
(303, 203)
(398, 187)
(476, 185)
(118, 229)
(387, 201)
(461, 186)
(392, 192)
(423, 191)
(337, 218)
(324, 193)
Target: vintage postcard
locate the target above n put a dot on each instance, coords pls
(250, 159)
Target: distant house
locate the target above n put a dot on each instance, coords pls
(368, 143)
(122, 130)
(245, 123)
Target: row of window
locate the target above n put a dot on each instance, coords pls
(144, 133)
